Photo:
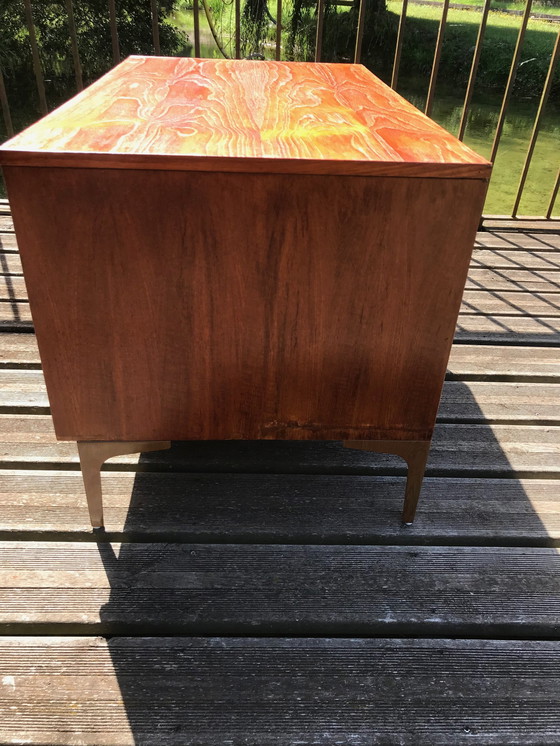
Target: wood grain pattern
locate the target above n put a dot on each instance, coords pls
(148, 588)
(538, 363)
(15, 316)
(488, 292)
(516, 259)
(518, 240)
(517, 363)
(502, 298)
(548, 226)
(475, 401)
(533, 281)
(177, 691)
(482, 303)
(155, 112)
(505, 303)
(262, 314)
(542, 331)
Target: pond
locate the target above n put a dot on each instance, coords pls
(514, 143)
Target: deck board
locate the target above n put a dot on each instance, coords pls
(8, 241)
(514, 258)
(12, 287)
(512, 330)
(537, 224)
(15, 316)
(273, 691)
(285, 508)
(272, 589)
(497, 362)
(506, 303)
(518, 240)
(526, 280)
(10, 263)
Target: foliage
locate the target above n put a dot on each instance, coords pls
(458, 47)
(302, 23)
(94, 40)
(339, 31)
(547, 7)
(254, 27)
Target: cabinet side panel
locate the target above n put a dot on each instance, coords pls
(174, 305)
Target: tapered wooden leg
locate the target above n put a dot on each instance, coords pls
(415, 453)
(93, 454)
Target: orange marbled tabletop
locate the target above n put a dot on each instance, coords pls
(241, 115)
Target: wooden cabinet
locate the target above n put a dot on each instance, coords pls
(242, 249)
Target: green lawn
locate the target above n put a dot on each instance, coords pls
(498, 5)
(498, 20)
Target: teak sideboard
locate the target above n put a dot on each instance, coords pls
(220, 249)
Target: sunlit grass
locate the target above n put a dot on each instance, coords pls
(496, 22)
(497, 6)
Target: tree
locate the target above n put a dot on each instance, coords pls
(339, 31)
(134, 26)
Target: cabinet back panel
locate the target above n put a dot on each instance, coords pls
(185, 305)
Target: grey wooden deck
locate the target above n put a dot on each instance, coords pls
(266, 593)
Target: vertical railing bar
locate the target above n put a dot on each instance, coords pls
(237, 29)
(537, 124)
(155, 25)
(398, 46)
(474, 70)
(114, 33)
(553, 196)
(74, 46)
(437, 57)
(319, 35)
(279, 30)
(35, 54)
(511, 80)
(196, 18)
(360, 32)
(5, 107)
